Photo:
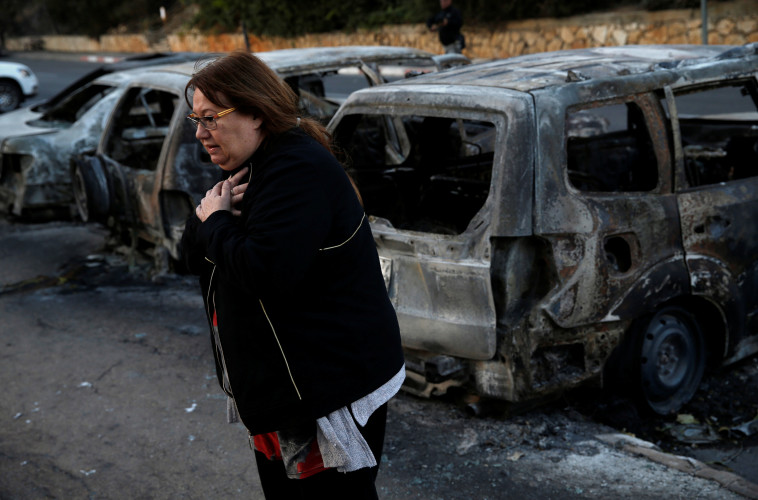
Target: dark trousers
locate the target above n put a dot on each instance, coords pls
(356, 485)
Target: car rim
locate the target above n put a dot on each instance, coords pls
(671, 361)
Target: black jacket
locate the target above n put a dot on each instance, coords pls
(304, 320)
(449, 33)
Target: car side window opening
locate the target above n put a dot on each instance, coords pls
(609, 149)
(312, 97)
(191, 150)
(191, 164)
(141, 124)
(719, 132)
(421, 173)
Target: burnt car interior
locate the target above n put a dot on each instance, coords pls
(422, 173)
(720, 143)
(609, 149)
(141, 124)
(192, 172)
(314, 101)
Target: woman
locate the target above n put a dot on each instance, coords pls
(306, 341)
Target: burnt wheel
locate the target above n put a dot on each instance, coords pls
(10, 95)
(91, 193)
(671, 359)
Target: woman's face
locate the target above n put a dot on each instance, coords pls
(235, 138)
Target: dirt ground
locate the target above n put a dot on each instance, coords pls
(110, 392)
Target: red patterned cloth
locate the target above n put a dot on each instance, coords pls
(306, 461)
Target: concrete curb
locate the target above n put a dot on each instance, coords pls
(101, 59)
(70, 56)
(728, 480)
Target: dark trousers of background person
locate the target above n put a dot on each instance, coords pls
(356, 485)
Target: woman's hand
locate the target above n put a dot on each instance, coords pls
(223, 196)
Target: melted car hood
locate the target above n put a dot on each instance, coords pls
(16, 124)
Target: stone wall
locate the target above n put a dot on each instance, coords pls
(732, 23)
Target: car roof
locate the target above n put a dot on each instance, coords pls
(534, 71)
(13, 64)
(127, 63)
(288, 62)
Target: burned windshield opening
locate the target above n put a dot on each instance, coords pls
(142, 123)
(68, 111)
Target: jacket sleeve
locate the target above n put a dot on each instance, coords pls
(284, 228)
(191, 252)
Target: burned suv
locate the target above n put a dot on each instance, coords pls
(547, 219)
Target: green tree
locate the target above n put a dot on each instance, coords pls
(281, 17)
(97, 18)
(11, 12)
(295, 17)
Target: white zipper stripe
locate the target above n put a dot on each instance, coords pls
(347, 240)
(227, 385)
(210, 287)
(273, 330)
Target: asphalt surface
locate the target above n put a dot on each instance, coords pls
(110, 392)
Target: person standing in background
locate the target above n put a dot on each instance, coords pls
(447, 22)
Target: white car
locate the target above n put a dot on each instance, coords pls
(17, 82)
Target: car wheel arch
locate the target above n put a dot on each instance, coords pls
(705, 318)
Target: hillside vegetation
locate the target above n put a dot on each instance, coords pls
(276, 17)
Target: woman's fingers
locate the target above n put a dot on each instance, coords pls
(236, 178)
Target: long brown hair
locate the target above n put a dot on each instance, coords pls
(242, 80)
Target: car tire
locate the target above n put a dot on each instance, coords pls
(10, 95)
(91, 190)
(671, 361)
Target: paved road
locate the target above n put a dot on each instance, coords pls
(110, 389)
(109, 392)
(54, 70)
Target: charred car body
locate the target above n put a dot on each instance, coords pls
(149, 171)
(37, 144)
(547, 219)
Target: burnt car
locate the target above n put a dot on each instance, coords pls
(138, 61)
(554, 219)
(149, 171)
(37, 142)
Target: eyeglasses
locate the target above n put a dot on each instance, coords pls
(208, 122)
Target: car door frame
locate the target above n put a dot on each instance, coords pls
(579, 224)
